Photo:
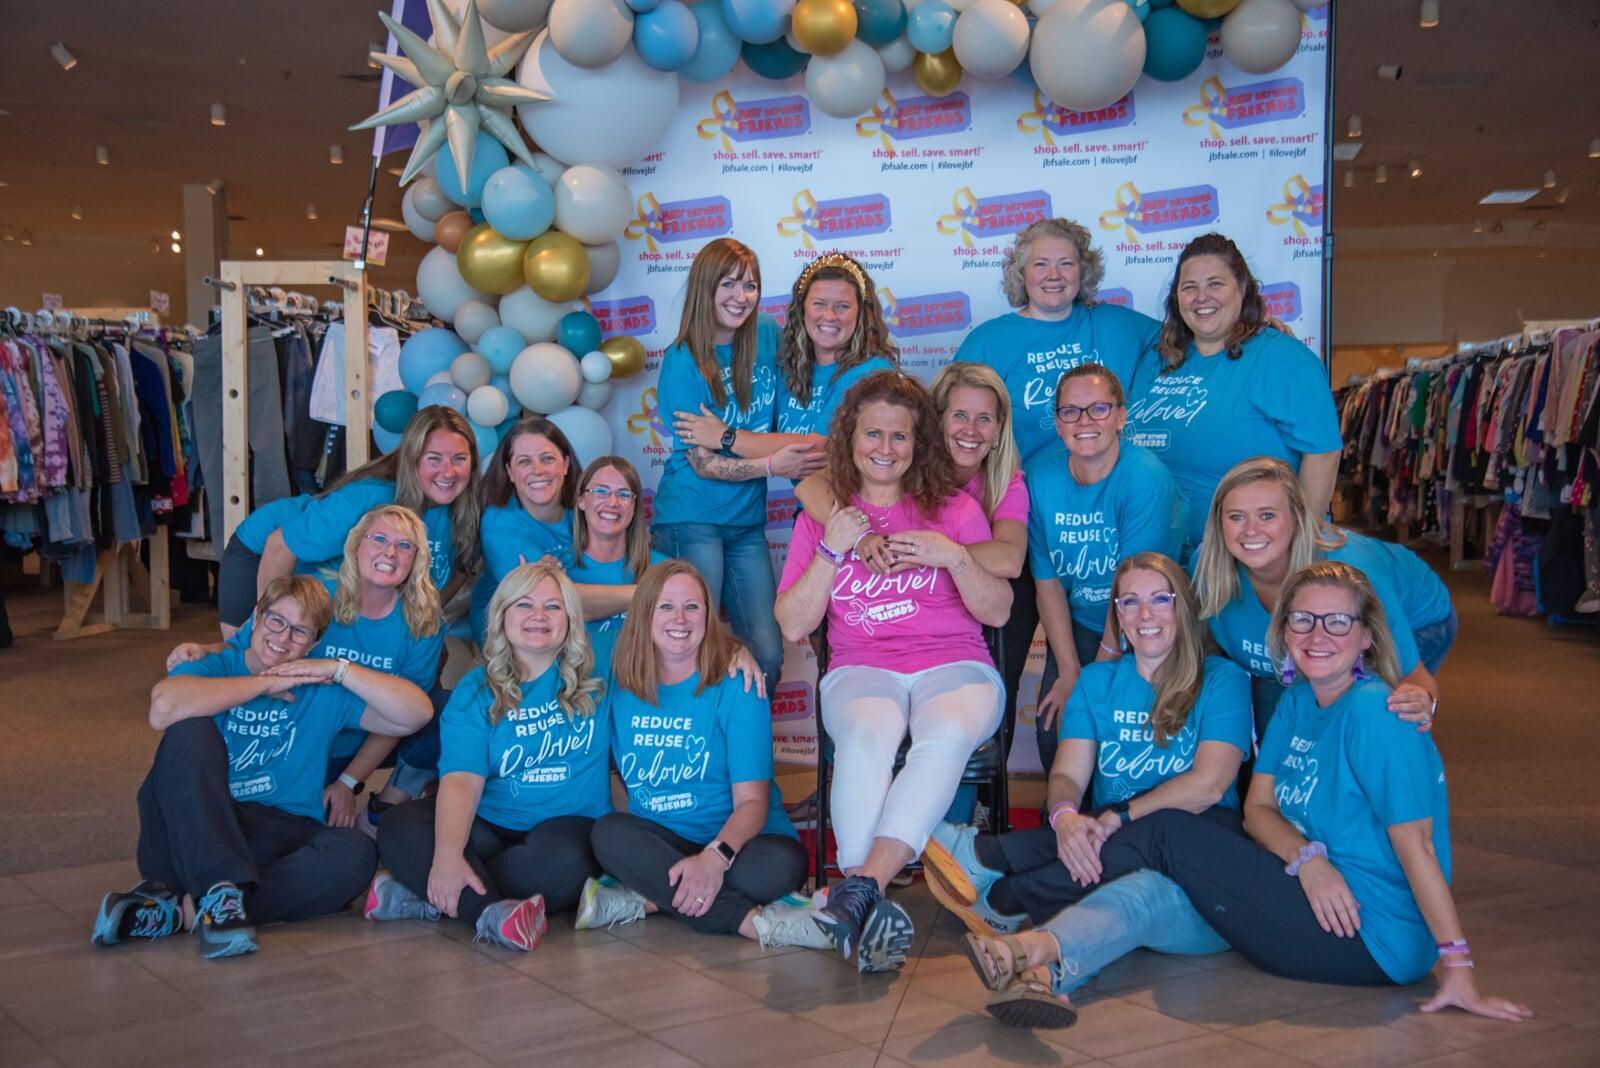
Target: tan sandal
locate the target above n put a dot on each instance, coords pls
(950, 897)
(992, 972)
(1029, 1001)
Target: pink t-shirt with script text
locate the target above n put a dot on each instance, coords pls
(906, 622)
(1013, 502)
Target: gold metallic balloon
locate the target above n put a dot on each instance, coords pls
(556, 266)
(450, 229)
(938, 73)
(489, 262)
(626, 354)
(1208, 9)
(824, 27)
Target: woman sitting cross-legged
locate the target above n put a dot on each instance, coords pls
(231, 813)
(524, 773)
(705, 838)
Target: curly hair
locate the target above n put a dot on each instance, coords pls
(871, 337)
(1091, 265)
(575, 659)
(1178, 680)
(1175, 333)
(633, 662)
(1003, 461)
(497, 487)
(931, 477)
(419, 597)
(719, 259)
(1381, 657)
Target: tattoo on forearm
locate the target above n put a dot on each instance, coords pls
(725, 468)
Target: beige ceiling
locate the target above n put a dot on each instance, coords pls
(1501, 91)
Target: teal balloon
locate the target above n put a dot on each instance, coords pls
(1174, 44)
(718, 49)
(387, 440)
(500, 345)
(579, 331)
(503, 384)
(504, 428)
(878, 21)
(758, 21)
(394, 410)
(518, 203)
(487, 438)
(931, 27)
(488, 156)
(641, 6)
(425, 354)
(667, 37)
(1141, 8)
(775, 61)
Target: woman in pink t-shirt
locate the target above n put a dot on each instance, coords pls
(907, 646)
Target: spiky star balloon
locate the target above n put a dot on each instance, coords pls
(461, 80)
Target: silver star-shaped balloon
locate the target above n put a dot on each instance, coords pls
(461, 80)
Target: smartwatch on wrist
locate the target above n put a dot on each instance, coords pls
(1120, 809)
(727, 438)
(341, 671)
(351, 783)
(723, 851)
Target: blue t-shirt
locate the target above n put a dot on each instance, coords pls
(537, 763)
(1423, 594)
(1345, 774)
(679, 758)
(1240, 629)
(509, 534)
(682, 495)
(1079, 534)
(603, 632)
(1211, 412)
(1111, 706)
(827, 390)
(1031, 354)
(259, 524)
(316, 536)
(278, 748)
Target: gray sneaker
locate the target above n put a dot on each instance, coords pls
(885, 939)
(513, 924)
(389, 899)
(788, 921)
(606, 903)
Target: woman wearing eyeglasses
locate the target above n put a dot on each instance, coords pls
(1109, 500)
(610, 544)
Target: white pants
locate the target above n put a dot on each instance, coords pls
(950, 710)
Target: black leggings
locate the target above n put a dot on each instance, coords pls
(552, 859)
(1016, 638)
(236, 582)
(639, 852)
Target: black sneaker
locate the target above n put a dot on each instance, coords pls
(845, 915)
(221, 925)
(885, 940)
(149, 910)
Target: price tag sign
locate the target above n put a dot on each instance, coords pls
(51, 301)
(160, 303)
(377, 245)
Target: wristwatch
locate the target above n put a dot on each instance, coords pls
(341, 671)
(727, 438)
(1121, 809)
(351, 783)
(724, 851)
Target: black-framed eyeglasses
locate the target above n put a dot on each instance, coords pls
(383, 541)
(1337, 624)
(276, 624)
(606, 491)
(1161, 601)
(1099, 411)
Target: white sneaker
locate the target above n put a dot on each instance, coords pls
(606, 903)
(788, 922)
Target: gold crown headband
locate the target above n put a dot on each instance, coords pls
(843, 263)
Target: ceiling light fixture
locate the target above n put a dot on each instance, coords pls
(177, 247)
(336, 154)
(155, 246)
(1349, 179)
(27, 238)
(214, 187)
(1594, 148)
(102, 155)
(311, 211)
(177, 236)
(77, 213)
(1509, 196)
(1353, 130)
(1562, 194)
(219, 114)
(1428, 17)
(260, 252)
(1390, 72)
(1550, 179)
(378, 48)
(1382, 177)
(1416, 168)
(1477, 226)
(63, 57)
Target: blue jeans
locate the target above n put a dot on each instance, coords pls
(738, 571)
(1435, 640)
(1142, 910)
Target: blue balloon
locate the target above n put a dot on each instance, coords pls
(878, 21)
(503, 384)
(929, 29)
(718, 49)
(667, 37)
(1023, 75)
(425, 354)
(500, 345)
(505, 428)
(518, 203)
(641, 6)
(443, 393)
(758, 21)
(387, 440)
(775, 61)
(488, 156)
(579, 331)
(1175, 44)
(394, 410)
(487, 438)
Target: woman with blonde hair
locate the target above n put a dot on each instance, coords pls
(1259, 529)
(524, 773)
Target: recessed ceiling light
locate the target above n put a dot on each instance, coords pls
(102, 155)
(311, 211)
(27, 237)
(260, 251)
(177, 247)
(1509, 196)
(1416, 169)
(1428, 17)
(219, 114)
(1382, 176)
(77, 212)
(177, 236)
(336, 154)
(1354, 129)
(63, 56)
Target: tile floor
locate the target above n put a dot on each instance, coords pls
(342, 991)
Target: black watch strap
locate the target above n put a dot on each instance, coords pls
(728, 437)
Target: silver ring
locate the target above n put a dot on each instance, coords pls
(699, 901)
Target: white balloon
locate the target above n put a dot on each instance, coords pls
(1260, 36)
(429, 200)
(991, 38)
(441, 287)
(438, 378)
(473, 318)
(959, 5)
(588, 432)
(549, 168)
(590, 33)
(604, 263)
(421, 226)
(592, 202)
(514, 16)
(531, 315)
(596, 366)
(594, 395)
(614, 115)
(545, 377)
(897, 55)
(847, 83)
(487, 406)
(1087, 54)
(794, 43)
(469, 371)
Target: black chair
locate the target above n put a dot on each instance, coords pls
(986, 768)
